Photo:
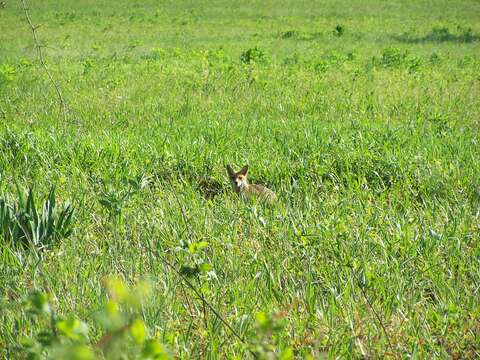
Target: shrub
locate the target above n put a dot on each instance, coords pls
(253, 56)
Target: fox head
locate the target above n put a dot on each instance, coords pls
(238, 179)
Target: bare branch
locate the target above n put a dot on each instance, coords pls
(205, 302)
(375, 313)
(190, 285)
(38, 47)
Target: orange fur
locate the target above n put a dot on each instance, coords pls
(241, 186)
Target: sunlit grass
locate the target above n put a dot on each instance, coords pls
(365, 126)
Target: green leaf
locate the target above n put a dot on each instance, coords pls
(287, 354)
(205, 267)
(153, 349)
(40, 303)
(73, 328)
(143, 289)
(112, 308)
(138, 331)
(197, 246)
(73, 352)
(262, 318)
(117, 288)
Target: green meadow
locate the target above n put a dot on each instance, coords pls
(120, 236)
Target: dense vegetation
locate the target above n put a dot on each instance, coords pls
(362, 116)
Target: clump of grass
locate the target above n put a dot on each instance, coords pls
(301, 35)
(289, 34)
(24, 223)
(393, 57)
(7, 73)
(254, 55)
(339, 30)
(373, 244)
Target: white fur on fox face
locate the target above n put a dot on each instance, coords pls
(241, 182)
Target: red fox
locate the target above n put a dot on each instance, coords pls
(241, 186)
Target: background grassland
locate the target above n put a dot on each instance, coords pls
(363, 117)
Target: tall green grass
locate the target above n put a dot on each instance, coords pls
(361, 116)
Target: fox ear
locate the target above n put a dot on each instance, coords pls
(230, 170)
(244, 170)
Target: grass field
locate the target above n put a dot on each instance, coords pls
(362, 116)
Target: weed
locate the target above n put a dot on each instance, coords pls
(289, 34)
(25, 224)
(253, 56)
(393, 57)
(7, 73)
(339, 30)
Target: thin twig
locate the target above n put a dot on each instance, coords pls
(200, 295)
(188, 227)
(189, 283)
(38, 47)
(377, 316)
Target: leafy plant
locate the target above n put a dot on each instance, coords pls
(124, 332)
(267, 331)
(88, 65)
(289, 34)
(115, 200)
(7, 73)
(392, 56)
(253, 56)
(443, 34)
(27, 224)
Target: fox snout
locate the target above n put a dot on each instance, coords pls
(238, 179)
(238, 184)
